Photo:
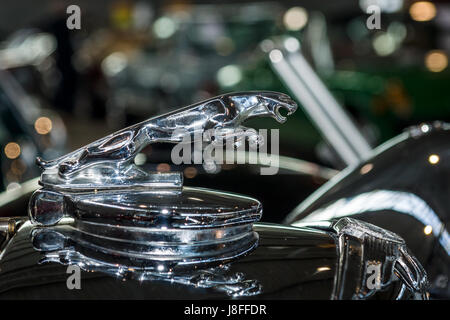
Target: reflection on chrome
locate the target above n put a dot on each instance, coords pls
(377, 200)
(186, 256)
(218, 278)
(361, 241)
(149, 224)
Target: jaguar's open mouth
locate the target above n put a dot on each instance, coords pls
(287, 105)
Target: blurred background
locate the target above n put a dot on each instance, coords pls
(130, 60)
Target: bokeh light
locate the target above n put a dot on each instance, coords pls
(190, 172)
(433, 159)
(291, 44)
(114, 63)
(366, 168)
(43, 125)
(164, 27)
(276, 55)
(12, 150)
(422, 11)
(163, 167)
(384, 44)
(436, 61)
(140, 159)
(295, 18)
(229, 76)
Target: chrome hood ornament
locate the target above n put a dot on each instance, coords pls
(114, 211)
(108, 162)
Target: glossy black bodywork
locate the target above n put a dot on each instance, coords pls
(404, 188)
(308, 262)
(288, 263)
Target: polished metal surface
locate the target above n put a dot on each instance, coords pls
(403, 188)
(295, 263)
(169, 230)
(364, 245)
(322, 261)
(121, 212)
(288, 263)
(138, 234)
(107, 162)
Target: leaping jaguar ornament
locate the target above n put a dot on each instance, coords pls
(108, 162)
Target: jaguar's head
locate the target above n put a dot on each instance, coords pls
(262, 104)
